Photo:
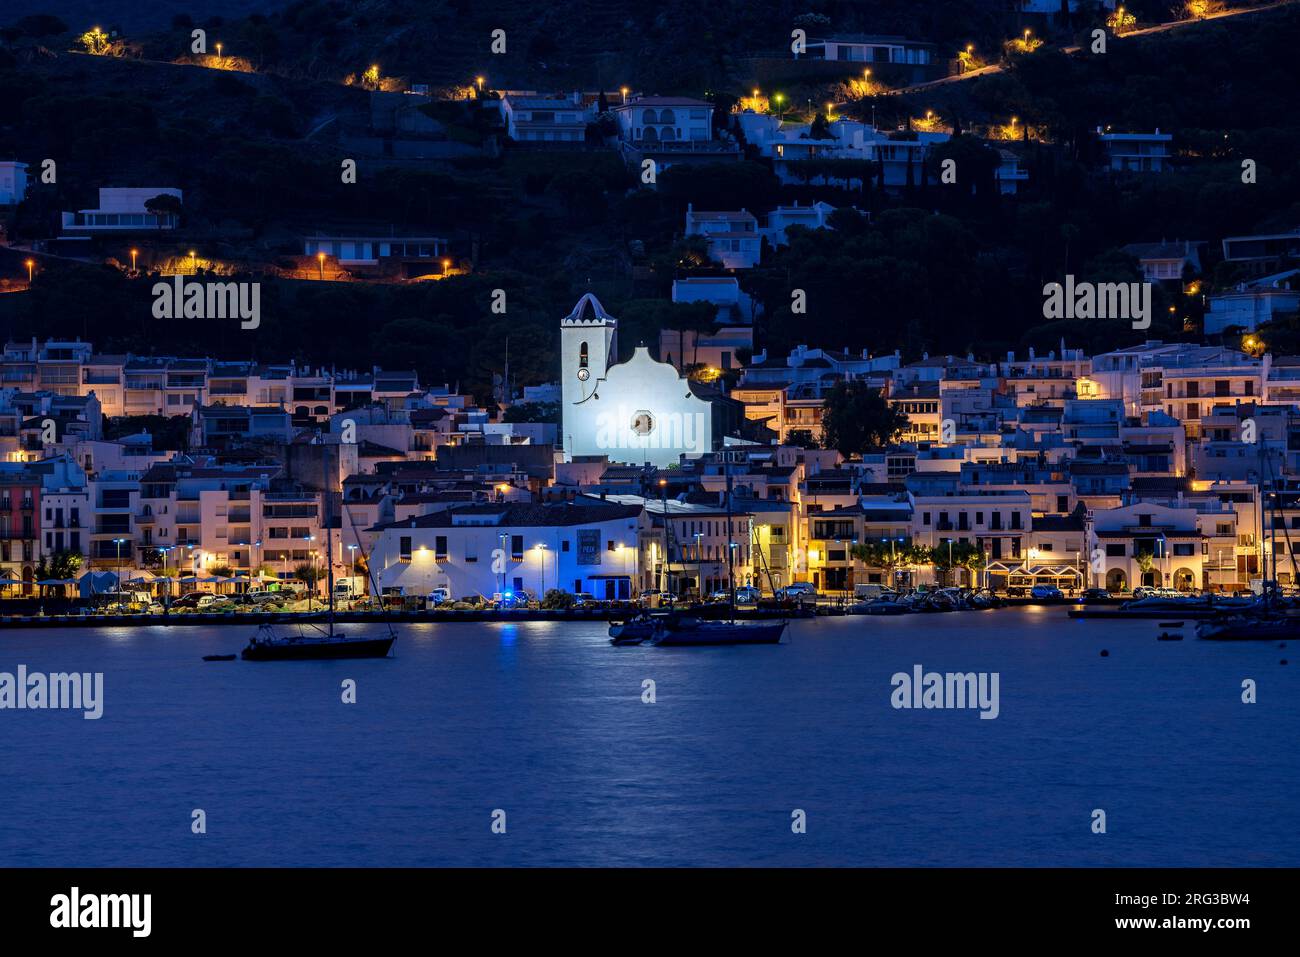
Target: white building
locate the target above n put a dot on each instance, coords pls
(536, 119)
(13, 182)
(638, 411)
(652, 120)
(1251, 305)
(501, 548)
(122, 209)
(732, 235)
(1135, 152)
(863, 48)
(816, 216)
(733, 304)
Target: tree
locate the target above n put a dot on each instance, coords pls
(856, 417)
(162, 205)
(821, 128)
(65, 564)
(307, 573)
(801, 438)
(945, 557)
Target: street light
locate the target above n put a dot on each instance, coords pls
(218, 49)
(30, 264)
(134, 254)
(446, 267)
(320, 260)
(194, 263)
(119, 542)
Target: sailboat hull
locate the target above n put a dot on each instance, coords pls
(721, 633)
(317, 649)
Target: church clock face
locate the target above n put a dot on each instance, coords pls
(584, 374)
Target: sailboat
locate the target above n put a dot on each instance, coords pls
(320, 643)
(685, 631)
(1266, 618)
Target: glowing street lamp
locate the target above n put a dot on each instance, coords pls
(624, 90)
(446, 267)
(479, 80)
(31, 265)
(194, 263)
(320, 260)
(134, 254)
(218, 49)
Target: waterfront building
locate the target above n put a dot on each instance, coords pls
(508, 548)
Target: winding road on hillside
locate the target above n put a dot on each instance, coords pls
(1145, 31)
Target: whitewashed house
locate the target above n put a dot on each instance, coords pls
(1251, 305)
(13, 182)
(538, 119)
(512, 548)
(733, 236)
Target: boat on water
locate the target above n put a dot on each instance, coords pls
(314, 643)
(692, 631)
(1249, 628)
(267, 645)
(884, 605)
(678, 630)
(220, 657)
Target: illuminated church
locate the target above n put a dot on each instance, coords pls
(642, 411)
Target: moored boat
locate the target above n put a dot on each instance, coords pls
(268, 646)
(692, 631)
(1249, 628)
(326, 643)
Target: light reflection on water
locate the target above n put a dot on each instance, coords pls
(545, 720)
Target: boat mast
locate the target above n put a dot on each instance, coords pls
(329, 533)
(731, 548)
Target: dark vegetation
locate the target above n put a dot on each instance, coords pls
(938, 269)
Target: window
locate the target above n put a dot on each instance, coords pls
(403, 547)
(1114, 550)
(1184, 548)
(582, 356)
(517, 548)
(440, 548)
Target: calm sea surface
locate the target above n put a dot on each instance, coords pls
(545, 721)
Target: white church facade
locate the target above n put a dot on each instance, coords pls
(637, 412)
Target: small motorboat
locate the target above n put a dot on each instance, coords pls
(1168, 636)
(220, 657)
(885, 605)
